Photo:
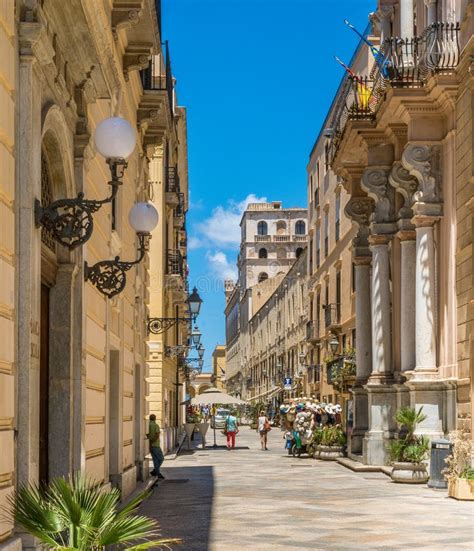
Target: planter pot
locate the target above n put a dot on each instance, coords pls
(461, 488)
(330, 453)
(317, 452)
(189, 429)
(409, 473)
(203, 428)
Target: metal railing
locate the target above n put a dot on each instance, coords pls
(174, 262)
(402, 63)
(180, 209)
(312, 330)
(332, 314)
(172, 179)
(158, 75)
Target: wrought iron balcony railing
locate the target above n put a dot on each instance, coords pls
(180, 209)
(174, 262)
(159, 75)
(403, 63)
(312, 330)
(332, 315)
(172, 179)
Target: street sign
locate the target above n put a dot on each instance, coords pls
(287, 383)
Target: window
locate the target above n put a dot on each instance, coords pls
(326, 234)
(338, 296)
(318, 246)
(310, 260)
(353, 278)
(300, 227)
(298, 252)
(262, 277)
(262, 228)
(316, 197)
(262, 253)
(338, 215)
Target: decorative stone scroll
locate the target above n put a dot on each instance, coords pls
(422, 162)
(359, 210)
(406, 184)
(375, 182)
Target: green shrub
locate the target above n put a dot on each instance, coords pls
(333, 435)
(409, 448)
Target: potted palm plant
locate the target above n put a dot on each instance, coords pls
(458, 472)
(409, 450)
(333, 441)
(77, 515)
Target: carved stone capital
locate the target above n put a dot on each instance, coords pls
(359, 210)
(375, 182)
(147, 115)
(34, 41)
(406, 184)
(422, 162)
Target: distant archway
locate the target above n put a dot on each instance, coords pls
(263, 276)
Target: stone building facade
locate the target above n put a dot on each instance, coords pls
(168, 288)
(398, 151)
(272, 237)
(275, 336)
(218, 366)
(73, 362)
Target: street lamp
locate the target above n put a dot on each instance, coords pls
(196, 336)
(200, 351)
(70, 220)
(334, 345)
(194, 302)
(109, 275)
(160, 325)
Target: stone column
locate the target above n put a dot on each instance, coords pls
(407, 303)
(425, 328)
(406, 19)
(359, 210)
(363, 319)
(381, 309)
(432, 6)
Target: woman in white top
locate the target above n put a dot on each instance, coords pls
(263, 429)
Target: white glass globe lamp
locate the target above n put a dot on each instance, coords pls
(143, 217)
(115, 138)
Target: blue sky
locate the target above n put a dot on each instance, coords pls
(257, 78)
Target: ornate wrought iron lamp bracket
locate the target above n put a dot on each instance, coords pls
(109, 276)
(160, 325)
(70, 221)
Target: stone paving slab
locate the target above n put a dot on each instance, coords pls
(247, 499)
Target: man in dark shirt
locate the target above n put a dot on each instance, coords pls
(155, 449)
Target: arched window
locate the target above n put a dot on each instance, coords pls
(300, 227)
(298, 252)
(281, 227)
(262, 277)
(262, 253)
(262, 228)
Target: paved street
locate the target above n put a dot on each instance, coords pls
(216, 500)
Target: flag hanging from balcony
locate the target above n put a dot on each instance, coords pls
(382, 62)
(364, 93)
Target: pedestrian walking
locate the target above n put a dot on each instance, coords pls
(155, 448)
(231, 427)
(263, 428)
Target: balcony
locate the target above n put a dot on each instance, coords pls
(263, 238)
(156, 108)
(174, 263)
(332, 316)
(179, 212)
(402, 63)
(312, 331)
(171, 186)
(281, 238)
(300, 238)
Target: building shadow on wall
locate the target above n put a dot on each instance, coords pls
(182, 504)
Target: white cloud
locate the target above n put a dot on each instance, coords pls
(194, 243)
(220, 265)
(222, 228)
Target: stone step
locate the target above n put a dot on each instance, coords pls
(358, 467)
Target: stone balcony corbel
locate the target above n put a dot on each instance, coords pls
(406, 185)
(136, 57)
(34, 42)
(375, 183)
(125, 14)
